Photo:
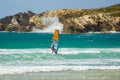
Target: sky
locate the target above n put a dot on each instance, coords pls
(11, 7)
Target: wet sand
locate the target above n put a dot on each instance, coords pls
(66, 75)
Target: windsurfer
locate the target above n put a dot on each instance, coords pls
(54, 46)
(54, 43)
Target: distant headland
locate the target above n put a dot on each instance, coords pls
(103, 19)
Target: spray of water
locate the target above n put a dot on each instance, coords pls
(51, 23)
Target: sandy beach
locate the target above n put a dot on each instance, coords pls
(66, 75)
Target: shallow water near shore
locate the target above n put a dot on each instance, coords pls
(66, 75)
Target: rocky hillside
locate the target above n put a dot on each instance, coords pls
(18, 22)
(73, 20)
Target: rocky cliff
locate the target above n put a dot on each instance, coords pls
(72, 20)
(18, 22)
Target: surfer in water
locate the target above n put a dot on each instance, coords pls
(54, 47)
(54, 43)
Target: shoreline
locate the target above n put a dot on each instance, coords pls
(112, 74)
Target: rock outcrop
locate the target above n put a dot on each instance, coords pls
(18, 22)
(73, 20)
(92, 23)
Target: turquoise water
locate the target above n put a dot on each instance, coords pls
(42, 40)
(76, 52)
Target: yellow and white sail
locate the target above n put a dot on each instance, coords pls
(55, 35)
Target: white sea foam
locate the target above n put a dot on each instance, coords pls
(78, 50)
(60, 51)
(106, 32)
(24, 69)
(51, 23)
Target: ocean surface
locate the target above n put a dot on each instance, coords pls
(29, 52)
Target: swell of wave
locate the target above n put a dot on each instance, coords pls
(63, 53)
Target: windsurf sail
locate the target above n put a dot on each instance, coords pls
(55, 41)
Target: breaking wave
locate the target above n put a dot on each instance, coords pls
(24, 69)
(51, 23)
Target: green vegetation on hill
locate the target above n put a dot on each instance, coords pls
(111, 10)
